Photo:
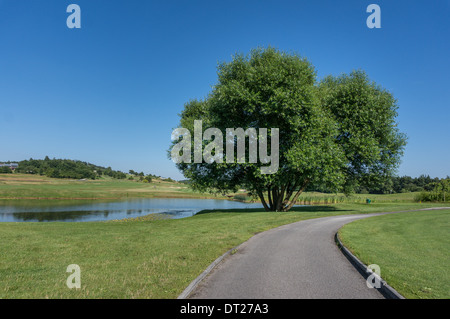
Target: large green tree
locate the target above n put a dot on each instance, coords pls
(340, 132)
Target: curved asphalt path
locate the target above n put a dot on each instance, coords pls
(295, 261)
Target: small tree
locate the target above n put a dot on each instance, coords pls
(148, 179)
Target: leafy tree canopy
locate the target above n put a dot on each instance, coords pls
(339, 132)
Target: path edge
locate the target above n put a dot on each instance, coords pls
(387, 291)
(189, 289)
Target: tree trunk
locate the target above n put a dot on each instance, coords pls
(269, 195)
(263, 201)
(279, 199)
(274, 198)
(292, 203)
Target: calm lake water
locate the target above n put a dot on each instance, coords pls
(83, 211)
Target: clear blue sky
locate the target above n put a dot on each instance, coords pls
(110, 92)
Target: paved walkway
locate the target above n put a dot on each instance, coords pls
(295, 261)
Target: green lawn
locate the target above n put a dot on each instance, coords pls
(137, 258)
(412, 250)
(27, 186)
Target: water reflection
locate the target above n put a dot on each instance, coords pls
(82, 211)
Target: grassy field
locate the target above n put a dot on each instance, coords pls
(412, 250)
(137, 258)
(26, 186)
(311, 198)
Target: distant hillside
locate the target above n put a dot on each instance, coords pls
(65, 168)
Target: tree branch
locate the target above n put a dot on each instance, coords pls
(263, 201)
(280, 198)
(270, 197)
(288, 207)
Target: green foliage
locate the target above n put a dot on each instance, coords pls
(5, 170)
(147, 179)
(391, 185)
(440, 192)
(365, 114)
(406, 184)
(64, 168)
(340, 133)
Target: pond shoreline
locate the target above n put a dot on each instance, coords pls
(102, 210)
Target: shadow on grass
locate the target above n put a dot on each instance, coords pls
(311, 208)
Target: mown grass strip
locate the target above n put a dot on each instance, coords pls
(412, 250)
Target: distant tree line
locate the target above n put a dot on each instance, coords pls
(422, 183)
(65, 168)
(142, 177)
(5, 170)
(73, 169)
(394, 184)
